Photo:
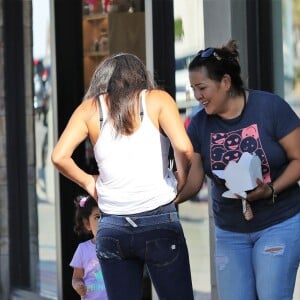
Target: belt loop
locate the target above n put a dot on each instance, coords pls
(171, 217)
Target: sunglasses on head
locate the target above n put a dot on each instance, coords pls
(211, 52)
(208, 52)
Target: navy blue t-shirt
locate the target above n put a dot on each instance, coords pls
(266, 119)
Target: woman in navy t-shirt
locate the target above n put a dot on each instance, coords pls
(258, 233)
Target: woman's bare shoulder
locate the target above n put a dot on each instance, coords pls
(158, 93)
(159, 97)
(87, 108)
(90, 103)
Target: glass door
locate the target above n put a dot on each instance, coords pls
(194, 213)
(43, 124)
(291, 67)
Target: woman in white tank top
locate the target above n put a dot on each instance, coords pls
(131, 124)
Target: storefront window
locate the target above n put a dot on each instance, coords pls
(43, 117)
(194, 214)
(291, 51)
(188, 41)
(291, 62)
(110, 27)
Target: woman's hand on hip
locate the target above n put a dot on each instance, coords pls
(91, 186)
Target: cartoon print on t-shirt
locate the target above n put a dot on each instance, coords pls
(96, 282)
(225, 147)
(232, 142)
(231, 155)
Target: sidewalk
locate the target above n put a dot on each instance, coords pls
(195, 222)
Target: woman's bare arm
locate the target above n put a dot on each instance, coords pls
(75, 132)
(291, 145)
(194, 181)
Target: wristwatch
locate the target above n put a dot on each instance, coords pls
(274, 193)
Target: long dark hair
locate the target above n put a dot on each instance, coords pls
(122, 76)
(84, 205)
(220, 61)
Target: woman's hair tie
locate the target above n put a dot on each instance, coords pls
(82, 201)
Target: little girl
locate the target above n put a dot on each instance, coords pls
(87, 277)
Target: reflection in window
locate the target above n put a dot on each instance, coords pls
(291, 60)
(193, 213)
(188, 41)
(291, 51)
(104, 34)
(47, 267)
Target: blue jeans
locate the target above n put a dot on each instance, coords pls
(260, 265)
(125, 244)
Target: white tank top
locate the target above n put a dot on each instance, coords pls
(134, 175)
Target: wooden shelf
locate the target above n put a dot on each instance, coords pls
(115, 32)
(95, 17)
(96, 53)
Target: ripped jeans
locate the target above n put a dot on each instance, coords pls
(260, 265)
(125, 244)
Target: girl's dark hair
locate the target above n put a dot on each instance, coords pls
(220, 61)
(123, 76)
(84, 205)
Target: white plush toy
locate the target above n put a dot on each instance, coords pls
(241, 176)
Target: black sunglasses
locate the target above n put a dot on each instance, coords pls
(208, 52)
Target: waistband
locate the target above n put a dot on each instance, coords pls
(140, 221)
